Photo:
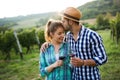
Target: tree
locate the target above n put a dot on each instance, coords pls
(6, 42)
(103, 21)
(115, 28)
(27, 38)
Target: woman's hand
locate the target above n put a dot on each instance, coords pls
(58, 63)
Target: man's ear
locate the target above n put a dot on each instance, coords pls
(70, 22)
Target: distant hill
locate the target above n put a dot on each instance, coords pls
(27, 21)
(89, 10)
(92, 9)
(34, 20)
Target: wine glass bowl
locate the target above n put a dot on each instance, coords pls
(71, 55)
(61, 57)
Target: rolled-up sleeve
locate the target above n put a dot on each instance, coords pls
(43, 65)
(98, 49)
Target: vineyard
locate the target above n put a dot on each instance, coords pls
(18, 40)
(19, 50)
(28, 67)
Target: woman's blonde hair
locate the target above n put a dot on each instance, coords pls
(51, 27)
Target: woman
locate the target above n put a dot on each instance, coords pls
(54, 62)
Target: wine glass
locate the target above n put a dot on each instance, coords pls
(62, 57)
(72, 54)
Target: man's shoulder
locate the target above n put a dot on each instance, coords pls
(90, 30)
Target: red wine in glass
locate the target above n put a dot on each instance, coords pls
(72, 55)
(61, 57)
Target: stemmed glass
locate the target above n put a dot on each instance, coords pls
(61, 57)
(72, 54)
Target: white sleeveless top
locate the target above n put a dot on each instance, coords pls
(57, 56)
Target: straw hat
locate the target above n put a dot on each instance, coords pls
(72, 14)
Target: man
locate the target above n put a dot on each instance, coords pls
(86, 44)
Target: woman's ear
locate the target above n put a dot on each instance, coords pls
(51, 34)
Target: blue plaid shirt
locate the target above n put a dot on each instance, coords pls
(48, 57)
(88, 46)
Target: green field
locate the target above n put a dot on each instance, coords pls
(110, 70)
(28, 68)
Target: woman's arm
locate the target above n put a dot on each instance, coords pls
(44, 69)
(54, 65)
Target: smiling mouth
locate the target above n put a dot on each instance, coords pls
(61, 38)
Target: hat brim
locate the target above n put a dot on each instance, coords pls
(61, 14)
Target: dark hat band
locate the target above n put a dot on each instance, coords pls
(71, 17)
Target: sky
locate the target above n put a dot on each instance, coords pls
(12, 8)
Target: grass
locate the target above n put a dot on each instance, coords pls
(110, 70)
(16, 69)
(28, 68)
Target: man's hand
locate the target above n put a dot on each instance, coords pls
(44, 46)
(77, 62)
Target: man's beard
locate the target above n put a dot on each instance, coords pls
(68, 28)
